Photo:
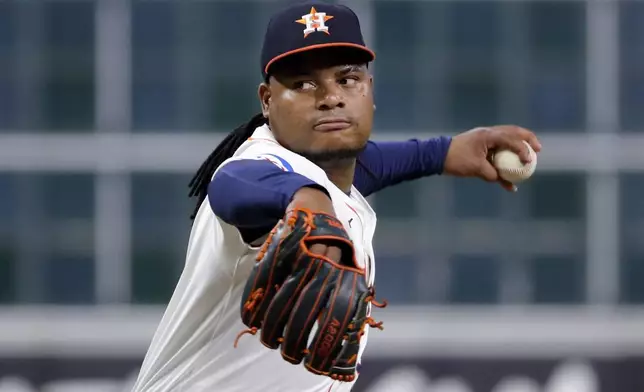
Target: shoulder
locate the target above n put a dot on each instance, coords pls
(270, 150)
(262, 146)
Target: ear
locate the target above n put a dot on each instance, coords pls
(264, 93)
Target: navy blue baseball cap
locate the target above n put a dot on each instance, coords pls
(308, 26)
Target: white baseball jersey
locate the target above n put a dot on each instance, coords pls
(192, 350)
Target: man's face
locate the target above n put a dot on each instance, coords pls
(320, 105)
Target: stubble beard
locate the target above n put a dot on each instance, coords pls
(332, 157)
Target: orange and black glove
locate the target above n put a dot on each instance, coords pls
(291, 289)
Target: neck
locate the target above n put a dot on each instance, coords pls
(340, 172)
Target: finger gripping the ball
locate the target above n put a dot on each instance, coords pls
(510, 167)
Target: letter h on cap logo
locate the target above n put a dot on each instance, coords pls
(315, 21)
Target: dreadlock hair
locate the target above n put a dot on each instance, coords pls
(199, 183)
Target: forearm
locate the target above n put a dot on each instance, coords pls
(385, 164)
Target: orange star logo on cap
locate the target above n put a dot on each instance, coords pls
(314, 21)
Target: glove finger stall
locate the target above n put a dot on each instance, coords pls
(269, 271)
(282, 304)
(309, 305)
(344, 366)
(341, 309)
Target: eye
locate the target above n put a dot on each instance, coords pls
(348, 81)
(303, 85)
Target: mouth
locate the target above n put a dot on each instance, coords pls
(332, 124)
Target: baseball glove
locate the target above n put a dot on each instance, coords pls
(290, 288)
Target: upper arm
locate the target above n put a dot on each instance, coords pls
(252, 194)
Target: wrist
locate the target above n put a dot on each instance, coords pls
(443, 146)
(312, 198)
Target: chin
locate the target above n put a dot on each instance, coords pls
(334, 152)
(340, 140)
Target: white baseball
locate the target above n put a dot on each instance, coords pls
(510, 167)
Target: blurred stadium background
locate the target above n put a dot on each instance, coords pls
(108, 106)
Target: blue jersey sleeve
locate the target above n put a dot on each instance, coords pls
(383, 164)
(252, 195)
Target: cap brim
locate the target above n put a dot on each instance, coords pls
(364, 49)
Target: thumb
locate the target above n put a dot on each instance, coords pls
(488, 172)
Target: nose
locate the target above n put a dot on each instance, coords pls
(331, 97)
